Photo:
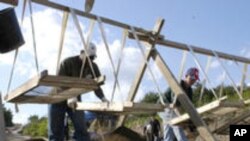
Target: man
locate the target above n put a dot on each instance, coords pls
(72, 66)
(152, 129)
(156, 129)
(148, 131)
(173, 133)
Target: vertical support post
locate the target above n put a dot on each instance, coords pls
(182, 97)
(2, 124)
(204, 81)
(141, 70)
(244, 74)
(183, 63)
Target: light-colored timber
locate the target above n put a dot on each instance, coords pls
(120, 107)
(44, 88)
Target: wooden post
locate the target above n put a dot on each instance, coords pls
(141, 70)
(2, 124)
(244, 74)
(183, 98)
(11, 2)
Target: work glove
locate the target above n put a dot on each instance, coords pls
(104, 99)
(72, 102)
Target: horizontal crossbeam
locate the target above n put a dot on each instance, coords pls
(121, 108)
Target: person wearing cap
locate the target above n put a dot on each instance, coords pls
(72, 66)
(172, 132)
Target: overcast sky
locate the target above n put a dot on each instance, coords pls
(217, 25)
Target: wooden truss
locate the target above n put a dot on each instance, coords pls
(46, 88)
(150, 38)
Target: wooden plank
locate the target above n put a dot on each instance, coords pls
(219, 108)
(182, 46)
(11, 2)
(31, 84)
(118, 107)
(135, 85)
(2, 123)
(89, 15)
(33, 99)
(200, 50)
(144, 106)
(182, 97)
(201, 110)
(100, 106)
(51, 98)
(27, 93)
(65, 81)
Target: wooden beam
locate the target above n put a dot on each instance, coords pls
(244, 75)
(11, 2)
(200, 50)
(25, 87)
(59, 88)
(50, 97)
(201, 110)
(182, 97)
(135, 85)
(88, 15)
(2, 123)
(66, 81)
(120, 108)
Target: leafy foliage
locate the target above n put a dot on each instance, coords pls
(36, 127)
(8, 116)
(150, 97)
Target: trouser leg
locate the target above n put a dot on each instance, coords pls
(79, 124)
(56, 117)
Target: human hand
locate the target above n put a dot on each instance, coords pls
(72, 102)
(104, 99)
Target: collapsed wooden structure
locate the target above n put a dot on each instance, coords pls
(25, 94)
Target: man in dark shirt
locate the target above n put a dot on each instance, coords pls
(173, 133)
(156, 129)
(72, 66)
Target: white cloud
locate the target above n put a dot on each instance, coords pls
(215, 64)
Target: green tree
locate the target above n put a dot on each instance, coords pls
(150, 97)
(207, 95)
(36, 127)
(8, 116)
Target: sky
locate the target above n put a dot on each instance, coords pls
(216, 25)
